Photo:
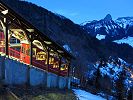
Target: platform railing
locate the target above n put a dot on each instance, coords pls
(14, 53)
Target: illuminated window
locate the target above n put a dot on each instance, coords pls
(54, 59)
(41, 56)
(64, 64)
(34, 52)
(51, 60)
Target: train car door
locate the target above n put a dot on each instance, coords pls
(25, 53)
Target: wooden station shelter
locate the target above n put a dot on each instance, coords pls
(20, 40)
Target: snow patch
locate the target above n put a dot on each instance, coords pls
(67, 48)
(123, 22)
(128, 40)
(100, 37)
(83, 95)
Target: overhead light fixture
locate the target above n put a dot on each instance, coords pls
(30, 30)
(60, 51)
(19, 30)
(47, 42)
(4, 12)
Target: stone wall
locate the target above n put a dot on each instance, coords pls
(16, 73)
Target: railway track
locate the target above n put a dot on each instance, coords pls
(7, 94)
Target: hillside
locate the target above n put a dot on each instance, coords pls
(86, 48)
(103, 56)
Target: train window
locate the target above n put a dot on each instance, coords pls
(63, 67)
(17, 48)
(34, 52)
(51, 60)
(64, 64)
(23, 50)
(28, 52)
(14, 40)
(56, 65)
(41, 56)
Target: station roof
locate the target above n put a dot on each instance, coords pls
(22, 23)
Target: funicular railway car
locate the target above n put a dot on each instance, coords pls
(20, 50)
(21, 40)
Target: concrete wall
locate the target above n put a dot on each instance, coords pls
(16, 73)
(2, 59)
(62, 82)
(52, 80)
(37, 77)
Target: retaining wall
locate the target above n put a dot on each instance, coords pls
(16, 73)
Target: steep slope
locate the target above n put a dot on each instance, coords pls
(60, 29)
(85, 48)
(114, 75)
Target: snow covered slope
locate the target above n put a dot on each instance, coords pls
(128, 40)
(100, 37)
(83, 95)
(124, 21)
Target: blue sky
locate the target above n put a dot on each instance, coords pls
(86, 10)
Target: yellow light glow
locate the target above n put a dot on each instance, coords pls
(40, 56)
(4, 12)
(48, 42)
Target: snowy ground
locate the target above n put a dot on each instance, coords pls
(128, 40)
(100, 37)
(83, 95)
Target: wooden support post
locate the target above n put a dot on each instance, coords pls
(59, 65)
(6, 30)
(68, 71)
(30, 39)
(31, 51)
(48, 53)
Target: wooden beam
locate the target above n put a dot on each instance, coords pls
(6, 32)
(20, 30)
(59, 65)
(68, 71)
(31, 49)
(48, 55)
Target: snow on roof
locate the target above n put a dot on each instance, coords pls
(67, 47)
(100, 37)
(83, 95)
(128, 40)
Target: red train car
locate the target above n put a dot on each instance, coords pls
(21, 51)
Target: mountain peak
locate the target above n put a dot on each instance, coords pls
(108, 17)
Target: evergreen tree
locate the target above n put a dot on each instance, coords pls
(120, 85)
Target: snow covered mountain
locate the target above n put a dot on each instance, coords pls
(112, 30)
(124, 21)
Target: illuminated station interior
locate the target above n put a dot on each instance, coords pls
(21, 41)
